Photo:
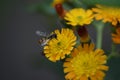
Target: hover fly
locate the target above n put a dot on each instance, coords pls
(45, 38)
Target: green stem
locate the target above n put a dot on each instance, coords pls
(113, 52)
(99, 27)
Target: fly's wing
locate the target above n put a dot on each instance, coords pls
(41, 34)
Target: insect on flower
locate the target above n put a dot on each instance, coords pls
(45, 38)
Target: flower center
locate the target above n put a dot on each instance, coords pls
(85, 64)
(60, 46)
(79, 17)
(59, 43)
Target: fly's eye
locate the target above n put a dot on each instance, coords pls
(40, 41)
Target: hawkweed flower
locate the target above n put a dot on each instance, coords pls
(79, 16)
(107, 14)
(60, 46)
(116, 36)
(85, 63)
(57, 2)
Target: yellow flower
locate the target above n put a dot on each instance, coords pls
(85, 64)
(79, 16)
(107, 14)
(57, 2)
(116, 36)
(57, 48)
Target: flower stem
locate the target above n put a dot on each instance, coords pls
(113, 52)
(99, 27)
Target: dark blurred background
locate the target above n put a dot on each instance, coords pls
(21, 57)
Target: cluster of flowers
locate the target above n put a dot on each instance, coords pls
(81, 61)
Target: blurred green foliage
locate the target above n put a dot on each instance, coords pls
(44, 8)
(115, 3)
(47, 9)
